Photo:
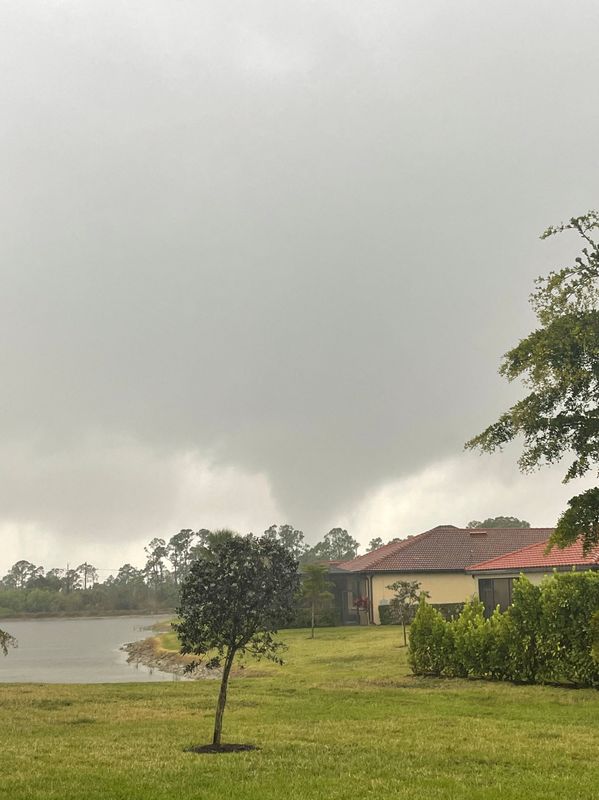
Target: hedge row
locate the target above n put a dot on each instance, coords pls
(550, 633)
(447, 611)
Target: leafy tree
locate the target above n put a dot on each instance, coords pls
(289, 537)
(128, 574)
(337, 545)
(21, 574)
(374, 544)
(154, 569)
(405, 602)
(89, 574)
(559, 362)
(178, 551)
(52, 580)
(315, 589)
(71, 581)
(201, 542)
(6, 641)
(499, 522)
(236, 596)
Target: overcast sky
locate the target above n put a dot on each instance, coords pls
(259, 260)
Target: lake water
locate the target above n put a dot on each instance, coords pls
(76, 650)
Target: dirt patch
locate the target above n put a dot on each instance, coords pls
(221, 748)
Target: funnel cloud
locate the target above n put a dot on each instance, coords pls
(260, 261)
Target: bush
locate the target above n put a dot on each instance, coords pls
(447, 610)
(523, 627)
(326, 618)
(595, 636)
(549, 633)
(470, 640)
(431, 646)
(568, 602)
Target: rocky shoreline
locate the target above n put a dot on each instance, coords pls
(150, 653)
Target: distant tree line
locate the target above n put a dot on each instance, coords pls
(29, 589)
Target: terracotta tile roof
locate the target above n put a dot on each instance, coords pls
(534, 556)
(445, 548)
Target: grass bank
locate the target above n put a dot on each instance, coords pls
(343, 718)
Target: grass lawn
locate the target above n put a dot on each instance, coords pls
(342, 719)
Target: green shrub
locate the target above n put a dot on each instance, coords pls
(568, 601)
(430, 646)
(595, 636)
(549, 633)
(449, 610)
(523, 629)
(327, 618)
(469, 641)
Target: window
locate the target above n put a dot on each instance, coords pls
(495, 592)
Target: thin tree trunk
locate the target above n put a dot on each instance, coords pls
(313, 604)
(405, 639)
(222, 698)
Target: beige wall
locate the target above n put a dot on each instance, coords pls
(443, 587)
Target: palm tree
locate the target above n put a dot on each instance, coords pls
(315, 588)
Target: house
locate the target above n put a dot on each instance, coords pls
(495, 577)
(438, 559)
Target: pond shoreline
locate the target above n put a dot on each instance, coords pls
(86, 614)
(151, 654)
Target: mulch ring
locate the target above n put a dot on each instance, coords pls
(221, 748)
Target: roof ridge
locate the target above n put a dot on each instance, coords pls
(400, 544)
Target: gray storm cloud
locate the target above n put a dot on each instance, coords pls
(291, 237)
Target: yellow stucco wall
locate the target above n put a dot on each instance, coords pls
(443, 587)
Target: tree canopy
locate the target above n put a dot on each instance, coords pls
(289, 537)
(559, 365)
(237, 594)
(336, 545)
(499, 522)
(374, 544)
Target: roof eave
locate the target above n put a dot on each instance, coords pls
(524, 570)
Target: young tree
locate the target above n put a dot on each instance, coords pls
(315, 589)
(405, 602)
(559, 362)
(499, 522)
(236, 596)
(6, 641)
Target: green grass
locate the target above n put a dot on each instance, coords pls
(342, 719)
